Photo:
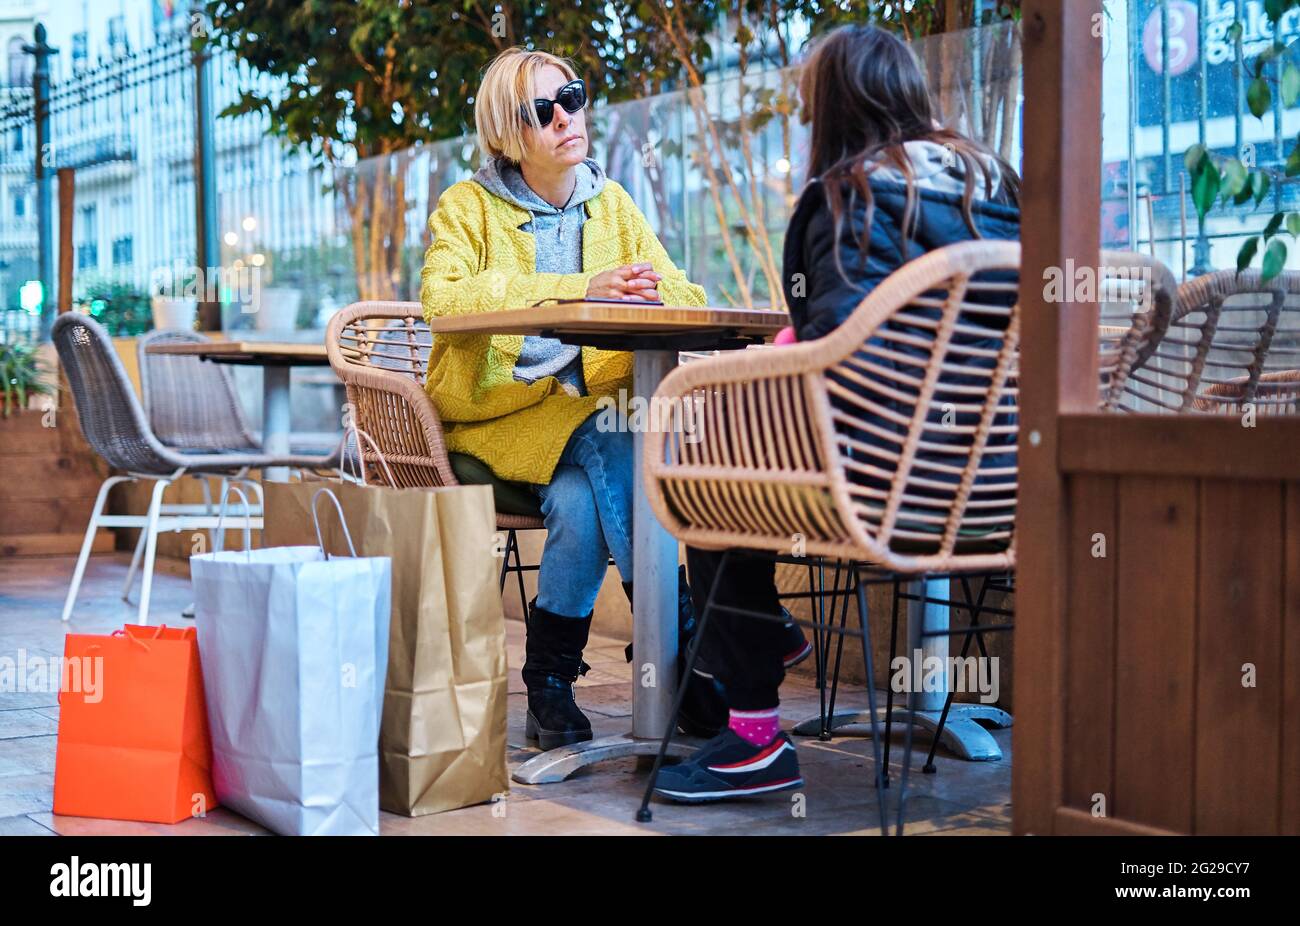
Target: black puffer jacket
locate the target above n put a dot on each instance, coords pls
(826, 298)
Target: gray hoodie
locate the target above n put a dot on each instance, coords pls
(937, 167)
(558, 244)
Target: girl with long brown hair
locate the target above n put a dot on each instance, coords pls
(886, 184)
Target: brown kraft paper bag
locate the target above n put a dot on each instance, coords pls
(442, 741)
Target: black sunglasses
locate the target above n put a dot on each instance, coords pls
(572, 96)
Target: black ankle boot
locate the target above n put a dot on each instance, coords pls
(552, 663)
(704, 709)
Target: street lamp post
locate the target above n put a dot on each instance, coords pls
(205, 178)
(41, 51)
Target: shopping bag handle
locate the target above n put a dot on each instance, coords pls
(361, 465)
(342, 520)
(134, 639)
(96, 647)
(248, 513)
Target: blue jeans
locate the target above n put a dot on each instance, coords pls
(588, 511)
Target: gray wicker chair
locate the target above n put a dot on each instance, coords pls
(192, 405)
(114, 424)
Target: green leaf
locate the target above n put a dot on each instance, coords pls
(1247, 253)
(1234, 177)
(1290, 85)
(1192, 159)
(1273, 225)
(1234, 32)
(1259, 98)
(1274, 259)
(1293, 162)
(1259, 183)
(1293, 224)
(1205, 188)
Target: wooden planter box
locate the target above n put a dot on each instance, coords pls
(48, 484)
(1175, 704)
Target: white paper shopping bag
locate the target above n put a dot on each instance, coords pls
(293, 645)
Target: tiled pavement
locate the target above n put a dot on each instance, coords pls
(963, 798)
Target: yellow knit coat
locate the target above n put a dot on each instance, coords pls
(481, 261)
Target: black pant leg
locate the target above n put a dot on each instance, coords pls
(748, 650)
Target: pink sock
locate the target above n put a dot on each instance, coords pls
(757, 727)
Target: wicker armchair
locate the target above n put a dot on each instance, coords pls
(115, 425)
(380, 350)
(890, 444)
(1138, 299)
(853, 443)
(1233, 340)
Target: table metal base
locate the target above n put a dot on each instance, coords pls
(276, 426)
(558, 764)
(963, 733)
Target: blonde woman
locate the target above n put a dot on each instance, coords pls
(542, 221)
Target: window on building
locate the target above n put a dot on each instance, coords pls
(88, 235)
(117, 42)
(80, 50)
(20, 206)
(122, 250)
(20, 64)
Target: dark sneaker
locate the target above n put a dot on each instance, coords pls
(730, 766)
(797, 649)
(704, 709)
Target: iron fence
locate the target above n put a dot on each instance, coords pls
(126, 128)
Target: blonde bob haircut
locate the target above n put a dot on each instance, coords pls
(505, 94)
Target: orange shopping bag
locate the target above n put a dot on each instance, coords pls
(133, 728)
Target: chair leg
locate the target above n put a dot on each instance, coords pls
(817, 608)
(643, 814)
(130, 572)
(889, 691)
(519, 578)
(151, 548)
(100, 499)
(835, 672)
(814, 603)
(907, 758)
(864, 624)
(821, 640)
(907, 740)
(505, 561)
(827, 632)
